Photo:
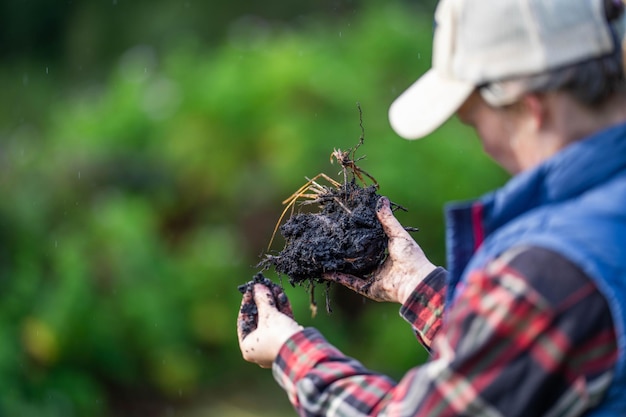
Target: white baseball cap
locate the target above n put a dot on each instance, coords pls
(481, 41)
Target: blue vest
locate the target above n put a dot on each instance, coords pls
(574, 204)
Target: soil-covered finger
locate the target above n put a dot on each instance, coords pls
(389, 222)
(352, 282)
(370, 287)
(282, 302)
(248, 315)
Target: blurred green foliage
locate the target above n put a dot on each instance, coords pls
(136, 202)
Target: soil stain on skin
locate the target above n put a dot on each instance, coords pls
(249, 311)
(344, 236)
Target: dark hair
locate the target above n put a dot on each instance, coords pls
(613, 9)
(591, 82)
(594, 81)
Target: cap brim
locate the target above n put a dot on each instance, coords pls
(427, 104)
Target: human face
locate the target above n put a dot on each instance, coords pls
(503, 131)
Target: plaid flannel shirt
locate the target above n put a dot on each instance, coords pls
(529, 336)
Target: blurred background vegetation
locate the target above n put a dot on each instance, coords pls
(145, 147)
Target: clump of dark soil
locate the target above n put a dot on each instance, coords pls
(259, 278)
(344, 236)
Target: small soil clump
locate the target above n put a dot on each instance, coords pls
(249, 311)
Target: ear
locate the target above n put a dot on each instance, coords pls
(537, 110)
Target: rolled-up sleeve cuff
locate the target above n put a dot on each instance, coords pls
(424, 307)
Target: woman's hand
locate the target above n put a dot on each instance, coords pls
(264, 324)
(405, 267)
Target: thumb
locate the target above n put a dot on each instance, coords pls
(263, 298)
(391, 225)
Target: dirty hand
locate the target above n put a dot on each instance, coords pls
(264, 324)
(405, 267)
